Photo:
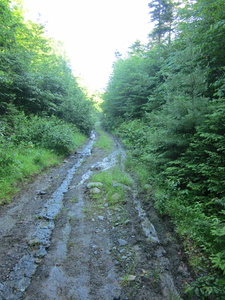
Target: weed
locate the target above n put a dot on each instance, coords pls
(127, 278)
(70, 220)
(172, 296)
(34, 244)
(30, 146)
(71, 244)
(103, 141)
(146, 274)
(92, 209)
(155, 275)
(25, 165)
(114, 181)
(74, 200)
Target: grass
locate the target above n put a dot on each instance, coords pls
(26, 163)
(126, 279)
(114, 193)
(103, 141)
(74, 199)
(20, 163)
(112, 179)
(135, 166)
(79, 139)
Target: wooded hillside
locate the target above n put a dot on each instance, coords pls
(42, 107)
(166, 100)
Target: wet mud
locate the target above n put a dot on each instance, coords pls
(57, 244)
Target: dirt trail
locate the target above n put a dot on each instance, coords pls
(56, 243)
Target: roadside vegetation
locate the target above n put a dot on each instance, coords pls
(113, 180)
(103, 141)
(165, 100)
(30, 144)
(44, 113)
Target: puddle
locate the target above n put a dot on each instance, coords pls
(76, 285)
(107, 163)
(19, 279)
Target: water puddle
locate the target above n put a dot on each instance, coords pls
(19, 279)
(107, 163)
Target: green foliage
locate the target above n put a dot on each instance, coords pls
(22, 162)
(207, 286)
(127, 91)
(42, 107)
(29, 145)
(51, 134)
(35, 75)
(109, 178)
(175, 133)
(161, 13)
(47, 132)
(103, 140)
(201, 168)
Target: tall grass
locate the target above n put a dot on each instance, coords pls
(28, 146)
(26, 162)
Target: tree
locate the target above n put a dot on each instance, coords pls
(35, 75)
(162, 14)
(127, 91)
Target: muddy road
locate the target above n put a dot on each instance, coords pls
(62, 239)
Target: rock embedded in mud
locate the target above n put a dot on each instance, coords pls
(127, 222)
(41, 193)
(131, 277)
(115, 197)
(95, 191)
(94, 184)
(122, 242)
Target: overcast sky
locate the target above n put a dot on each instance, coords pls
(92, 30)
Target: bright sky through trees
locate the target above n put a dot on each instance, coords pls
(92, 31)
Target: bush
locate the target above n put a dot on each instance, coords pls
(46, 132)
(52, 133)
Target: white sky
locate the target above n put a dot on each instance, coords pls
(92, 30)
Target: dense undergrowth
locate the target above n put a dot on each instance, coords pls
(29, 144)
(198, 219)
(43, 109)
(166, 101)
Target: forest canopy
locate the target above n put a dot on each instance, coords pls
(44, 113)
(35, 74)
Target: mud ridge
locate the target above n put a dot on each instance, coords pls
(58, 242)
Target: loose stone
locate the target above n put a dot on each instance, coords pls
(116, 196)
(122, 242)
(94, 184)
(95, 190)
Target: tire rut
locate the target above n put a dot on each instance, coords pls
(63, 247)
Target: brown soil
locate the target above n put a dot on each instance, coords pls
(56, 243)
